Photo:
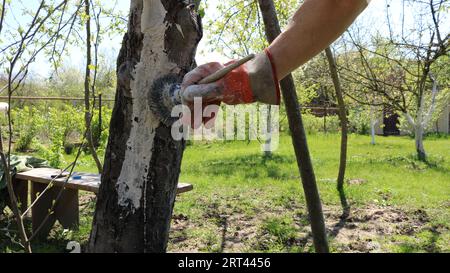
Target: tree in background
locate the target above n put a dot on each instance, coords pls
(401, 70)
(45, 29)
(89, 83)
(49, 23)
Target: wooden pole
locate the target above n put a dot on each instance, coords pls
(344, 129)
(100, 121)
(87, 81)
(298, 137)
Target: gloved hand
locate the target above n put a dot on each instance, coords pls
(254, 81)
(207, 92)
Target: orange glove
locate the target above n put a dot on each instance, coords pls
(254, 81)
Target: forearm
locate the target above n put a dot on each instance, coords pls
(314, 27)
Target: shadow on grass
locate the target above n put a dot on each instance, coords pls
(223, 221)
(417, 245)
(413, 162)
(251, 166)
(10, 240)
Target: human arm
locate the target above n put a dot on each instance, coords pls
(314, 26)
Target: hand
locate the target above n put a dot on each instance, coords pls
(210, 94)
(252, 81)
(233, 89)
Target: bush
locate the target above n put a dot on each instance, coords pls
(67, 120)
(54, 128)
(315, 124)
(53, 154)
(359, 121)
(25, 140)
(27, 123)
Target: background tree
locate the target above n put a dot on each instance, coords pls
(400, 68)
(89, 83)
(45, 28)
(23, 44)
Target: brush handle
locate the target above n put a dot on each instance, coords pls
(223, 72)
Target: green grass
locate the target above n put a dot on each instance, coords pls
(244, 202)
(234, 178)
(388, 166)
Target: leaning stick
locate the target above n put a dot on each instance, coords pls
(298, 137)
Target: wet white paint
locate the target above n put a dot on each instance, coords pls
(154, 63)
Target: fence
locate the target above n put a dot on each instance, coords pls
(50, 98)
(318, 111)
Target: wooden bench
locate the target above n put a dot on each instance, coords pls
(67, 208)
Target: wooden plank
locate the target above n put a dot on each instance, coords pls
(89, 182)
(184, 187)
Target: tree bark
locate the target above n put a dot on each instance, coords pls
(344, 129)
(419, 128)
(418, 135)
(142, 161)
(373, 123)
(268, 142)
(298, 137)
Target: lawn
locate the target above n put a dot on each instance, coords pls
(243, 201)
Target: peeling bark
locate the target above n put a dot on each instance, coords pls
(142, 161)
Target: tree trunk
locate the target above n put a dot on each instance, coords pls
(298, 137)
(419, 130)
(418, 135)
(344, 129)
(372, 132)
(373, 123)
(142, 161)
(87, 90)
(418, 127)
(268, 142)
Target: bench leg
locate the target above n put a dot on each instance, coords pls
(67, 209)
(41, 209)
(21, 190)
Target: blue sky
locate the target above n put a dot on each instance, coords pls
(373, 16)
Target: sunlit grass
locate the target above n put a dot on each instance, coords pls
(234, 179)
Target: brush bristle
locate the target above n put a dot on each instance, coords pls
(163, 97)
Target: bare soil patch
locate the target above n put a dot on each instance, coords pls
(364, 230)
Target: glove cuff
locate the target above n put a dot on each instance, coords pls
(263, 79)
(254, 81)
